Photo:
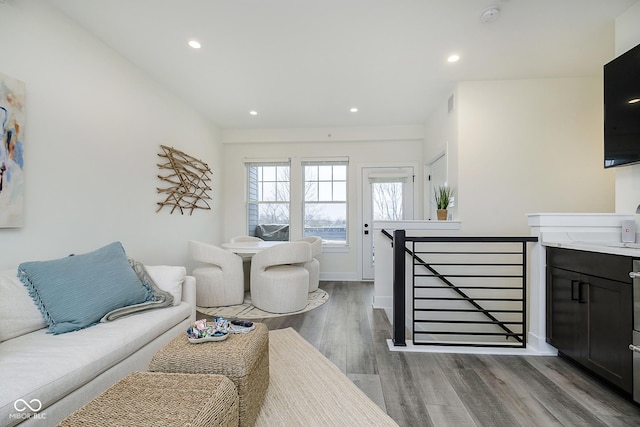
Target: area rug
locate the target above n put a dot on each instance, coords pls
(248, 311)
(306, 389)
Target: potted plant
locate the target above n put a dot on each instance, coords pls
(443, 198)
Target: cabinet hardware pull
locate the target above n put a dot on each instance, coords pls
(581, 299)
(634, 348)
(573, 290)
(634, 275)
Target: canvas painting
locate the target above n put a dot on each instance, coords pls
(12, 98)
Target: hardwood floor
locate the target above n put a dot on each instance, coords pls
(428, 389)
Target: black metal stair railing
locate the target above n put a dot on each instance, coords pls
(453, 316)
(459, 291)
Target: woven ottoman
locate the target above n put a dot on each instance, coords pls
(243, 358)
(159, 399)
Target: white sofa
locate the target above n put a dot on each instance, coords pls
(56, 374)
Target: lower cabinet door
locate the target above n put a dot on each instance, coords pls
(565, 330)
(608, 313)
(590, 318)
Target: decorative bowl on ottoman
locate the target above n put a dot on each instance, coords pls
(243, 358)
(200, 331)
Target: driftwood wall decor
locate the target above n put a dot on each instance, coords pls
(188, 180)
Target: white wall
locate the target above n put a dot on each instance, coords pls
(628, 177)
(528, 146)
(94, 125)
(441, 136)
(358, 144)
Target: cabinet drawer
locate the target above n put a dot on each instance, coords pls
(608, 266)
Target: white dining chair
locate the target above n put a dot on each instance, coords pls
(313, 266)
(220, 281)
(279, 284)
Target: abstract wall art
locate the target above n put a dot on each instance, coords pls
(187, 179)
(12, 99)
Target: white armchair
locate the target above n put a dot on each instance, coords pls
(278, 285)
(221, 281)
(313, 266)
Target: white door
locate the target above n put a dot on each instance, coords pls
(387, 196)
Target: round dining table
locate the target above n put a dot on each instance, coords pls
(250, 248)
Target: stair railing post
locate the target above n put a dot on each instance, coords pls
(399, 288)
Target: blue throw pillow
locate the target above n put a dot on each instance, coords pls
(77, 291)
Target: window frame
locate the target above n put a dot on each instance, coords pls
(326, 162)
(249, 164)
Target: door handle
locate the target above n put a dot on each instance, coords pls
(573, 290)
(634, 275)
(634, 348)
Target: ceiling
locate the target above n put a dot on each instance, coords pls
(305, 63)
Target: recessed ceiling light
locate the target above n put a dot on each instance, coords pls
(453, 58)
(253, 112)
(354, 110)
(490, 14)
(634, 100)
(195, 44)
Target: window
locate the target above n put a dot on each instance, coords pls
(325, 200)
(268, 200)
(387, 201)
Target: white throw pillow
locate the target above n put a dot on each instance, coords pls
(18, 313)
(169, 278)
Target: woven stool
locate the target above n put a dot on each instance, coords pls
(158, 399)
(243, 358)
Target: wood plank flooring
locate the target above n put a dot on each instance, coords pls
(428, 389)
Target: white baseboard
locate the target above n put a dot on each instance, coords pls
(535, 347)
(339, 277)
(410, 347)
(383, 302)
(540, 345)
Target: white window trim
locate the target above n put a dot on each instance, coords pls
(265, 162)
(319, 161)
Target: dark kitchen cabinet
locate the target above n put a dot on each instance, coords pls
(590, 311)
